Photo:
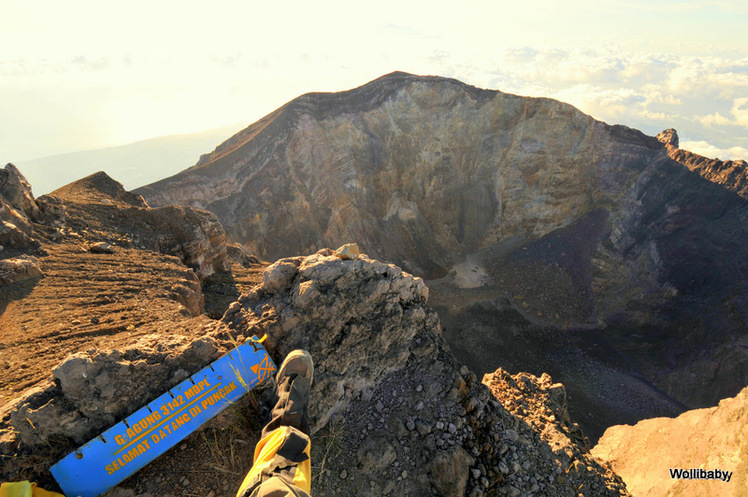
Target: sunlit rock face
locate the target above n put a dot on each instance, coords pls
(574, 223)
(708, 439)
(410, 162)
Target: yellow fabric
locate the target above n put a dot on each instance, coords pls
(25, 489)
(264, 454)
(15, 489)
(40, 492)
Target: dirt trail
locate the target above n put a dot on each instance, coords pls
(86, 301)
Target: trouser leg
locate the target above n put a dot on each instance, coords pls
(281, 462)
(291, 399)
(275, 487)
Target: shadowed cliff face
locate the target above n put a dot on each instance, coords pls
(523, 205)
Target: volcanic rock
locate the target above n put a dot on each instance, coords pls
(17, 210)
(732, 174)
(669, 137)
(17, 191)
(708, 439)
(19, 269)
(398, 410)
(542, 404)
(196, 237)
(521, 205)
(94, 389)
(101, 248)
(240, 254)
(11, 236)
(400, 407)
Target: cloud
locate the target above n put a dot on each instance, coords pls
(613, 103)
(706, 149)
(703, 97)
(227, 61)
(85, 64)
(208, 81)
(740, 111)
(715, 119)
(685, 6)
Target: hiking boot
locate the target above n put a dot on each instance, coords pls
(292, 384)
(298, 362)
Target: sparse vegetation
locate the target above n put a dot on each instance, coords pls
(325, 446)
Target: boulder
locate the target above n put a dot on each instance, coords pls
(15, 229)
(17, 191)
(12, 237)
(92, 390)
(101, 248)
(195, 236)
(18, 269)
(189, 294)
(240, 254)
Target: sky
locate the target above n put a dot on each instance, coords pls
(80, 74)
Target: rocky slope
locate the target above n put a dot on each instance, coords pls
(391, 409)
(707, 439)
(93, 266)
(529, 218)
(733, 175)
(117, 322)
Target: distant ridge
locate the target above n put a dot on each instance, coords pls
(136, 163)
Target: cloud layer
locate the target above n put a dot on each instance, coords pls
(84, 74)
(703, 97)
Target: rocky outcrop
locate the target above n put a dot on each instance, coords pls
(92, 390)
(11, 236)
(731, 174)
(17, 211)
(542, 404)
(669, 138)
(521, 203)
(398, 411)
(189, 293)
(240, 254)
(17, 191)
(18, 269)
(404, 413)
(703, 439)
(195, 237)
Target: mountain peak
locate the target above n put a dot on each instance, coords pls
(99, 187)
(669, 137)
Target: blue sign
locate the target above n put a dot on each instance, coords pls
(149, 432)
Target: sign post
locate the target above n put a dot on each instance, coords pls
(149, 432)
